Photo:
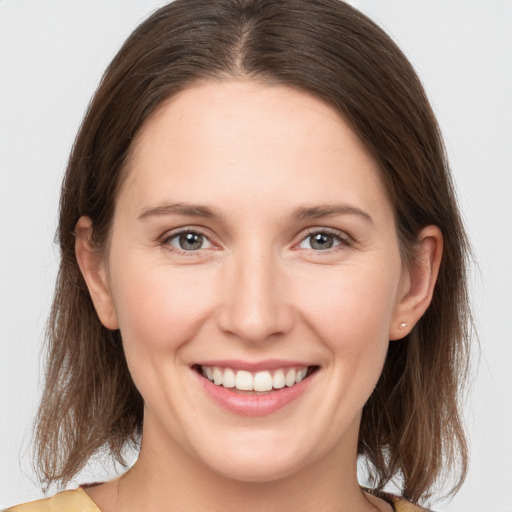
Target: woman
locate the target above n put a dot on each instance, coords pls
(263, 271)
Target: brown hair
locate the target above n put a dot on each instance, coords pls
(411, 425)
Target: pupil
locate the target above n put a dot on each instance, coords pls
(322, 241)
(191, 241)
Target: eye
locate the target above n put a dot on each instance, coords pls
(322, 241)
(188, 241)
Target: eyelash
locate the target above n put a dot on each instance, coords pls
(175, 234)
(343, 240)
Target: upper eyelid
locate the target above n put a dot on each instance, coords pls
(342, 235)
(185, 229)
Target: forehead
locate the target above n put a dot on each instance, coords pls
(248, 112)
(264, 141)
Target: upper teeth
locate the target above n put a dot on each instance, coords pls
(259, 381)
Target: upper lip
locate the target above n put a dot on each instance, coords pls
(254, 366)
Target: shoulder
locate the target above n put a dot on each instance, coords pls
(67, 501)
(399, 504)
(402, 505)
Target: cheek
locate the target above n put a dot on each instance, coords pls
(158, 307)
(350, 313)
(350, 303)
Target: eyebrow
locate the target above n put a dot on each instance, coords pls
(316, 212)
(190, 210)
(301, 213)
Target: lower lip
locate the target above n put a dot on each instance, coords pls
(254, 405)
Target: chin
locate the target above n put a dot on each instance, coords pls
(258, 461)
(257, 471)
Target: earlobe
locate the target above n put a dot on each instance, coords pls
(418, 288)
(93, 270)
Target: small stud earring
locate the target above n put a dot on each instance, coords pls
(402, 325)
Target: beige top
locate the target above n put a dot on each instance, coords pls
(79, 501)
(66, 501)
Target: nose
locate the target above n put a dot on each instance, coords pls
(254, 299)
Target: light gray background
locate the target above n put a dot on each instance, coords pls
(52, 54)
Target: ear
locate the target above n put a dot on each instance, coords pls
(418, 283)
(93, 269)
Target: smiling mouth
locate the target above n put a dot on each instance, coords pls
(261, 382)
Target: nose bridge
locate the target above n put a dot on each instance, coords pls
(254, 306)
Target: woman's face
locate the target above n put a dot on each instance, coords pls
(253, 244)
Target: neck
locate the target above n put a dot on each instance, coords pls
(166, 478)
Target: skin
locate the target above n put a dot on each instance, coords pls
(256, 289)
